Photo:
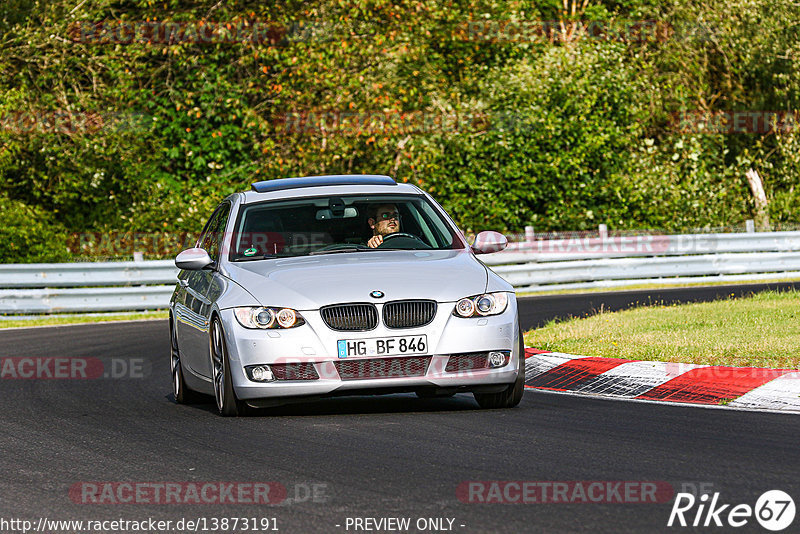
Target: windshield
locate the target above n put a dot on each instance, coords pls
(339, 224)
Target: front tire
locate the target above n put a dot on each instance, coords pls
(512, 395)
(181, 392)
(224, 395)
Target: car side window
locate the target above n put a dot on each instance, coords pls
(213, 234)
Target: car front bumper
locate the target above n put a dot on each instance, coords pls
(315, 344)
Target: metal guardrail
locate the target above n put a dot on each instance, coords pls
(88, 299)
(531, 266)
(121, 273)
(713, 267)
(71, 287)
(593, 247)
(606, 261)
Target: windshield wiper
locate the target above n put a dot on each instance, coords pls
(253, 258)
(337, 250)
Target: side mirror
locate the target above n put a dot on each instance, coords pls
(488, 242)
(193, 259)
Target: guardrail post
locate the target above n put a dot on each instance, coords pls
(530, 235)
(603, 230)
(760, 198)
(750, 226)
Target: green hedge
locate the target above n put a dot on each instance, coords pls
(146, 137)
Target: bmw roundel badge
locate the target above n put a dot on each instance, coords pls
(376, 294)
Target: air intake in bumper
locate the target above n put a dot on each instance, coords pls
(383, 368)
(294, 371)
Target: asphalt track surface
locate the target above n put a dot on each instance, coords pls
(379, 457)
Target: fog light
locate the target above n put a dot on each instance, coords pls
(261, 373)
(497, 359)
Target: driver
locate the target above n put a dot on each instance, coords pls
(385, 221)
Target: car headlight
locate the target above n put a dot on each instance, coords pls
(267, 318)
(482, 305)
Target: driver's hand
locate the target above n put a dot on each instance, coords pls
(375, 241)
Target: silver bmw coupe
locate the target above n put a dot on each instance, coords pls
(303, 288)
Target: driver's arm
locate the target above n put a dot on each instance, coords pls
(375, 241)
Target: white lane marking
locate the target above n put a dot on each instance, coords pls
(781, 394)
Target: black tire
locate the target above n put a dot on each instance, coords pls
(180, 391)
(224, 395)
(512, 395)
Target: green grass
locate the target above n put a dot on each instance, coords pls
(761, 331)
(50, 320)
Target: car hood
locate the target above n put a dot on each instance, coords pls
(309, 282)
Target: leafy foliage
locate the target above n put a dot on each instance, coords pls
(103, 133)
(30, 233)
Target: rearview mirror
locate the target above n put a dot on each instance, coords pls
(488, 242)
(193, 259)
(347, 213)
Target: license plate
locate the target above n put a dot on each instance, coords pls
(382, 346)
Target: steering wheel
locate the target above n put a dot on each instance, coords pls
(399, 234)
(416, 240)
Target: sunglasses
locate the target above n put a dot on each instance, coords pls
(389, 215)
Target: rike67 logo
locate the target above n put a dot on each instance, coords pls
(774, 510)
